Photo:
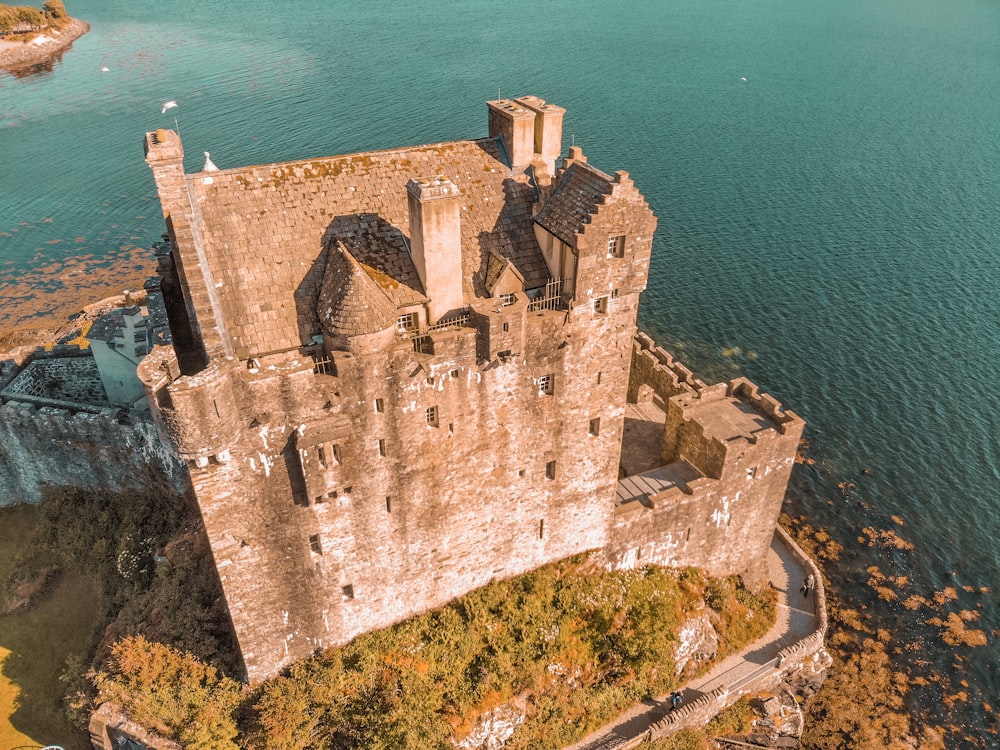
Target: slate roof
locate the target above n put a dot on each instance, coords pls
(265, 230)
(350, 303)
(576, 197)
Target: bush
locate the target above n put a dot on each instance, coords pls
(172, 693)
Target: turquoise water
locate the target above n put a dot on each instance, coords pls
(829, 226)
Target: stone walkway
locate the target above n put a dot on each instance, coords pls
(796, 619)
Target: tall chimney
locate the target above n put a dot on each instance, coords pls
(516, 127)
(548, 129)
(436, 242)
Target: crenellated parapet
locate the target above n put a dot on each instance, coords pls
(785, 419)
(656, 372)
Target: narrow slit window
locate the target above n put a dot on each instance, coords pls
(335, 450)
(506, 327)
(321, 455)
(598, 378)
(541, 529)
(388, 504)
(595, 426)
(379, 406)
(550, 470)
(381, 448)
(315, 546)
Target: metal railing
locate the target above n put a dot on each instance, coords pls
(550, 299)
(458, 321)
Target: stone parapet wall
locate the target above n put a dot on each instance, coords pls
(655, 367)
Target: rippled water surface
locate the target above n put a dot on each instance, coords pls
(827, 177)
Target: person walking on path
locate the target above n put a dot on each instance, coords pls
(676, 699)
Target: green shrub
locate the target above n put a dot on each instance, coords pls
(172, 693)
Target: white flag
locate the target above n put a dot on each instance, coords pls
(168, 105)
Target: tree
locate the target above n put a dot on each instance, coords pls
(172, 693)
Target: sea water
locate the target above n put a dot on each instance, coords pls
(826, 177)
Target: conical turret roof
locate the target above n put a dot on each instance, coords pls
(350, 302)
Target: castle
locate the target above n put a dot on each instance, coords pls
(397, 375)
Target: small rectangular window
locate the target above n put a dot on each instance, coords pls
(546, 385)
(595, 426)
(336, 453)
(614, 294)
(598, 378)
(550, 470)
(430, 380)
(314, 544)
(454, 374)
(406, 323)
(347, 592)
(348, 490)
(321, 455)
(601, 305)
(431, 414)
(507, 299)
(616, 246)
(381, 448)
(506, 326)
(379, 406)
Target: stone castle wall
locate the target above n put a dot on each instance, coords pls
(720, 513)
(55, 447)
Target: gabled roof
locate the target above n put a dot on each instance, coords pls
(577, 194)
(350, 303)
(264, 230)
(496, 268)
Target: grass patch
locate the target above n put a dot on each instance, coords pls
(36, 641)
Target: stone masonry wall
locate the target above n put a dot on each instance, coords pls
(721, 517)
(52, 447)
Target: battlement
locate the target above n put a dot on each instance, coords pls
(745, 391)
(656, 369)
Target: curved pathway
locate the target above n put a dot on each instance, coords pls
(796, 619)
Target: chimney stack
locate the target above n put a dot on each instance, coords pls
(548, 130)
(516, 127)
(436, 243)
(165, 155)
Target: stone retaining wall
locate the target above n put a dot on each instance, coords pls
(57, 448)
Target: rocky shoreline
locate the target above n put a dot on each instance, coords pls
(23, 55)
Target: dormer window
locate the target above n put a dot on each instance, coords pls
(616, 246)
(406, 323)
